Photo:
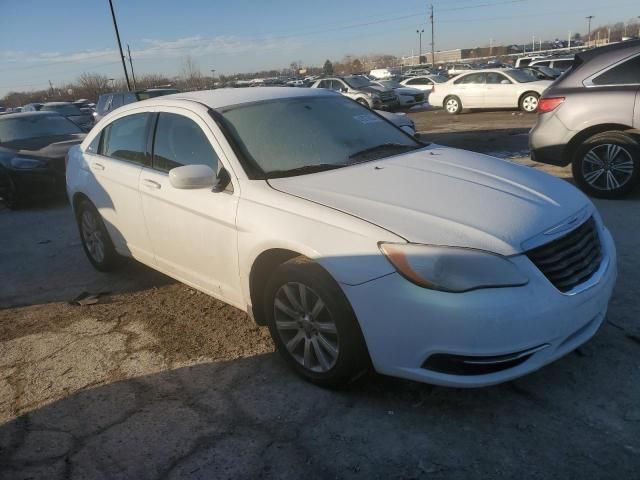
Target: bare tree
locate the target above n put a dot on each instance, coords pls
(91, 85)
(191, 75)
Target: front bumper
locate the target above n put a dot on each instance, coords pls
(404, 325)
(31, 184)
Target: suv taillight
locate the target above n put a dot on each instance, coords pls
(546, 105)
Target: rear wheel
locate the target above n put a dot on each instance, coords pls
(453, 105)
(607, 165)
(96, 241)
(313, 325)
(529, 102)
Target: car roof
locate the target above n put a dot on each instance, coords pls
(225, 97)
(590, 62)
(30, 114)
(56, 104)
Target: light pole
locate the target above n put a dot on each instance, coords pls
(589, 20)
(420, 32)
(115, 26)
(213, 78)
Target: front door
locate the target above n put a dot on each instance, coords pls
(500, 91)
(193, 232)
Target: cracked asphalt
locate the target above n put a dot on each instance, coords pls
(159, 381)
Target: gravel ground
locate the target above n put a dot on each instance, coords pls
(159, 381)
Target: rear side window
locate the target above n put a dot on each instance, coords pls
(474, 78)
(627, 73)
(125, 138)
(180, 141)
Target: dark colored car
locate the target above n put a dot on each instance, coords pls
(590, 118)
(72, 112)
(540, 72)
(108, 102)
(33, 146)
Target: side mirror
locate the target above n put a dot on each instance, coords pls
(192, 176)
(222, 181)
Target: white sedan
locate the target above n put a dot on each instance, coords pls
(495, 88)
(407, 96)
(423, 82)
(356, 244)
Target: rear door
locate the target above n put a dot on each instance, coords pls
(470, 88)
(499, 94)
(193, 232)
(115, 161)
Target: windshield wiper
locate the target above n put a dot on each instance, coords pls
(384, 147)
(320, 167)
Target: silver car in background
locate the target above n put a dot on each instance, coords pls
(590, 117)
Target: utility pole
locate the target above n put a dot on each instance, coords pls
(589, 20)
(50, 88)
(569, 42)
(433, 42)
(124, 65)
(491, 47)
(533, 43)
(133, 75)
(420, 32)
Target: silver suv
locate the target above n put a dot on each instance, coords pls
(590, 117)
(360, 89)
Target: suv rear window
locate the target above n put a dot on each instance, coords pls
(627, 73)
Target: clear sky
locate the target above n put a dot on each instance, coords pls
(42, 40)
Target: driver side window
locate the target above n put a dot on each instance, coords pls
(179, 141)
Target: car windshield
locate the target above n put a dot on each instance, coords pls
(439, 78)
(357, 82)
(34, 126)
(311, 134)
(520, 76)
(552, 72)
(67, 109)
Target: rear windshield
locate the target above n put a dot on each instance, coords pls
(156, 93)
(34, 126)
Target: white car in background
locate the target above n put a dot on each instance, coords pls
(407, 96)
(491, 88)
(424, 82)
(356, 244)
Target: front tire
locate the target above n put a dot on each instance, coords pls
(529, 102)
(313, 325)
(607, 165)
(452, 105)
(96, 241)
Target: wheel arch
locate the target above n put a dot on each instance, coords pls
(76, 199)
(583, 135)
(263, 265)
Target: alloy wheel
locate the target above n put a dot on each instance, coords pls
(92, 235)
(452, 105)
(607, 167)
(530, 103)
(306, 327)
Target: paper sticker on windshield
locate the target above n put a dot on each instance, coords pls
(367, 118)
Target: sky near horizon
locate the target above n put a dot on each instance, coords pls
(44, 40)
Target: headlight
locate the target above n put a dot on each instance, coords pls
(452, 269)
(23, 163)
(372, 95)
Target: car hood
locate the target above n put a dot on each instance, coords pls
(46, 147)
(408, 91)
(444, 196)
(375, 89)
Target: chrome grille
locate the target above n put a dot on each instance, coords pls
(571, 259)
(387, 95)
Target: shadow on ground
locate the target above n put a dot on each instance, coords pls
(252, 418)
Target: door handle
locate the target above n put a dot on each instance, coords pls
(151, 184)
(97, 166)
